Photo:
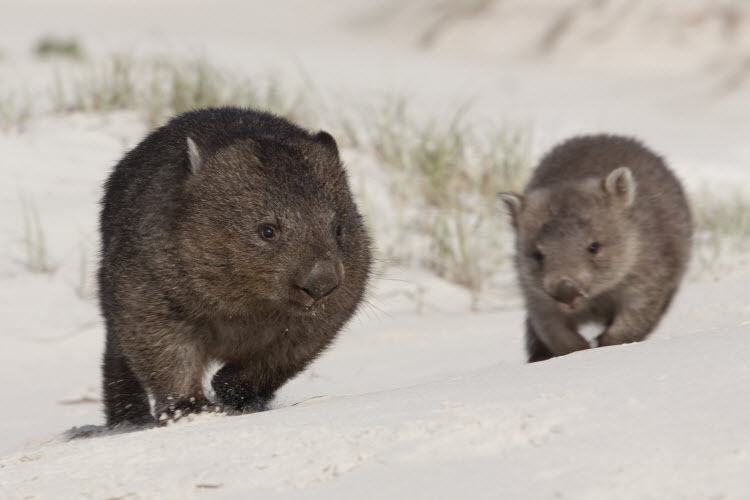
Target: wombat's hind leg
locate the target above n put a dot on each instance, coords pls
(125, 399)
(238, 392)
(535, 348)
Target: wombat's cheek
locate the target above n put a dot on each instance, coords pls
(264, 286)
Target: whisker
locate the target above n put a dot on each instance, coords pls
(366, 302)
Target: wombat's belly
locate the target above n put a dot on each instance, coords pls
(281, 343)
(229, 340)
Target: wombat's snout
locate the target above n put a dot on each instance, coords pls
(319, 281)
(566, 291)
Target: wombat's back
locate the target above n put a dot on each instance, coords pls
(596, 156)
(145, 183)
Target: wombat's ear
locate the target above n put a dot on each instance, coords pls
(194, 156)
(513, 203)
(328, 141)
(620, 184)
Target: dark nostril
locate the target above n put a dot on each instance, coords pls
(566, 291)
(320, 281)
(318, 292)
(315, 293)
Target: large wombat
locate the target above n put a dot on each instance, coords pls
(603, 234)
(227, 235)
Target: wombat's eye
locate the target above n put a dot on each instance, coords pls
(594, 248)
(537, 255)
(269, 233)
(339, 231)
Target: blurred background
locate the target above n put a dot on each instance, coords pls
(436, 105)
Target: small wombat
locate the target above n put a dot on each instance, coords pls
(603, 233)
(228, 235)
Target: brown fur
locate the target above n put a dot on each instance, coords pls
(187, 275)
(603, 233)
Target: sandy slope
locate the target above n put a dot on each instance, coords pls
(427, 404)
(664, 419)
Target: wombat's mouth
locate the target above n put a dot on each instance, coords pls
(302, 309)
(311, 299)
(568, 294)
(305, 308)
(574, 304)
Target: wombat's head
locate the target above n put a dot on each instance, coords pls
(270, 226)
(575, 241)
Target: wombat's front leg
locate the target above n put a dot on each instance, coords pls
(557, 333)
(125, 399)
(245, 389)
(535, 348)
(630, 325)
(172, 369)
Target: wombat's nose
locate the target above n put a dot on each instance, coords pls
(566, 291)
(320, 281)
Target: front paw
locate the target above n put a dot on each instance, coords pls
(246, 407)
(608, 339)
(255, 406)
(182, 408)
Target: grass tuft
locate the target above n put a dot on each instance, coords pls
(103, 88)
(446, 177)
(61, 47)
(34, 238)
(182, 86)
(15, 111)
(161, 87)
(722, 227)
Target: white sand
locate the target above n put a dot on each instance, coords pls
(432, 405)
